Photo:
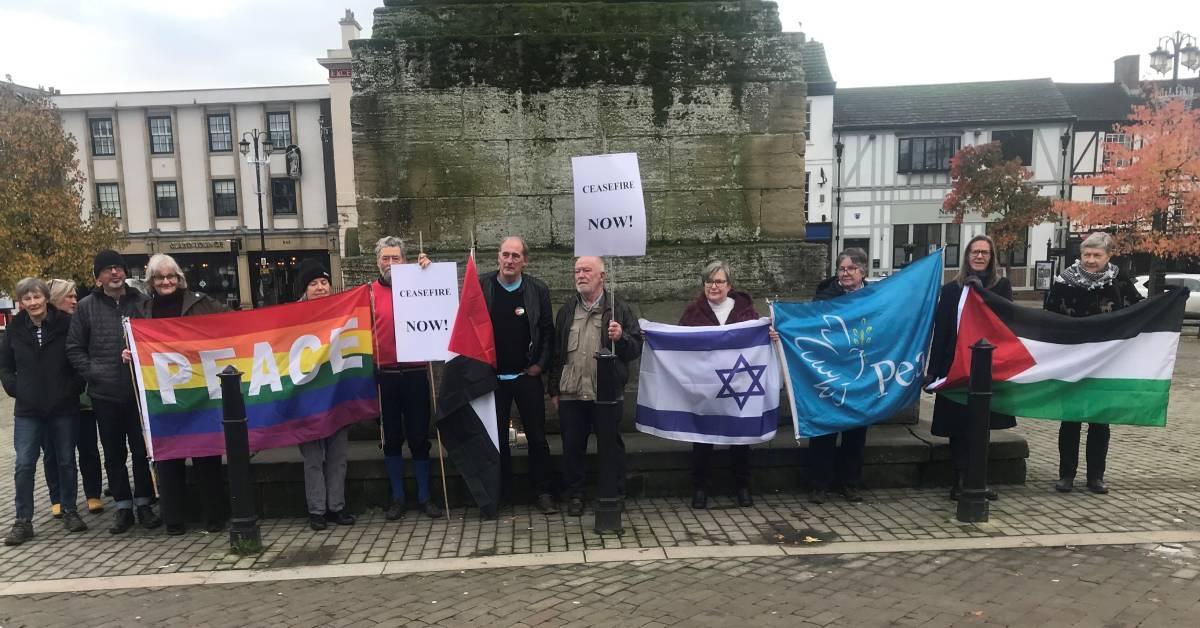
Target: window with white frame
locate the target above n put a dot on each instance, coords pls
(161, 141)
(224, 195)
(279, 126)
(166, 200)
(108, 199)
(808, 120)
(220, 133)
(103, 144)
(1118, 139)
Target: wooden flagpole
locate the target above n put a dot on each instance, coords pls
(433, 399)
(375, 351)
(137, 398)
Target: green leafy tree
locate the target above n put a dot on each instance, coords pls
(998, 189)
(42, 229)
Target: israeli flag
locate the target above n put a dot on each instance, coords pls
(715, 385)
(858, 359)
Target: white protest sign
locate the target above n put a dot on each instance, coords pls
(424, 304)
(610, 211)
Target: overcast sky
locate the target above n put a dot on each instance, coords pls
(82, 46)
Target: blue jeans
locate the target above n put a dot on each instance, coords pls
(28, 435)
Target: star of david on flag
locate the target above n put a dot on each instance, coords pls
(755, 387)
(715, 385)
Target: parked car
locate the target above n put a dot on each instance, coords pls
(1191, 282)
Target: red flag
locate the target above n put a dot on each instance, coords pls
(975, 321)
(472, 333)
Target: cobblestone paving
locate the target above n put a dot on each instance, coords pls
(1154, 475)
(1111, 586)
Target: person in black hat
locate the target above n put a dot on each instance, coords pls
(324, 458)
(94, 346)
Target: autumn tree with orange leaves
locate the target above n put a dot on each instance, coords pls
(42, 229)
(984, 182)
(1152, 193)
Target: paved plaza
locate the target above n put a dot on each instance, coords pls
(900, 556)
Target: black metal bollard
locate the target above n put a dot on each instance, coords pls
(244, 535)
(608, 505)
(972, 500)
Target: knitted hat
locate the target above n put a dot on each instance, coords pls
(311, 269)
(107, 258)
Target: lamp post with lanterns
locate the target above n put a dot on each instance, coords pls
(1173, 50)
(251, 142)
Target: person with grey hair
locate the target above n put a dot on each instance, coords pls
(836, 467)
(94, 346)
(719, 304)
(35, 372)
(170, 298)
(63, 297)
(404, 392)
(1092, 285)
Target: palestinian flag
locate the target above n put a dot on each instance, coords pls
(1109, 368)
(466, 401)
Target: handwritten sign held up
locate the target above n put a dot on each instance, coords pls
(610, 211)
(424, 304)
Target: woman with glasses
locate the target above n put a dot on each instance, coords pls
(978, 270)
(719, 304)
(834, 467)
(170, 298)
(1092, 285)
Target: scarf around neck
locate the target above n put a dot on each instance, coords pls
(1075, 276)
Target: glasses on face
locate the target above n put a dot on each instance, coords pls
(165, 278)
(848, 270)
(112, 269)
(981, 253)
(715, 282)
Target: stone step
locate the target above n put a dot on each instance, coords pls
(895, 456)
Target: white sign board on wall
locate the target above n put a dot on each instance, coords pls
(610, 210)
(424, 305)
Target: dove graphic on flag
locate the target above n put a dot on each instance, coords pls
(858, 359)
(715, 385)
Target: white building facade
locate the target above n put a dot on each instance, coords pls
(894, 171)
(168, 165)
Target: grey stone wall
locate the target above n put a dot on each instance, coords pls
(466, 115)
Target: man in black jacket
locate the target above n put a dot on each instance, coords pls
(519, 306)
(94, 347)
(590, 321)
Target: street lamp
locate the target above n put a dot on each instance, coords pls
(254, 138)
(838, 149)
(1179, 48)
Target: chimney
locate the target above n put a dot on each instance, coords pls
(1126, 73)
(350, 29)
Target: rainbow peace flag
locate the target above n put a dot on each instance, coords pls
(307, 371)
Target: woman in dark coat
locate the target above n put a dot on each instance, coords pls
(170, 298)
(35, 372)
(950, 417)
(719, 304)
(1092, 285)
(834, 467)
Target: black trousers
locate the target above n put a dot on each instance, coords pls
(835, 467)
(121, 433)
(579, 419)
(527, 392)
(702, 465)
(174, 494)
(1068, 449)
(404, 397)
(87, 458)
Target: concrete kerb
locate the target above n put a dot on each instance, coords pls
(71, 585)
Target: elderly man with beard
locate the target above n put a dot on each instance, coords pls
(591, 321)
